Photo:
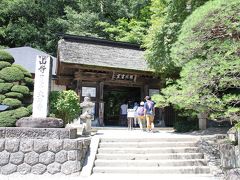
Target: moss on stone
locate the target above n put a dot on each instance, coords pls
(21, 89)
(11, 74)
(21, 112)
(25, 72)
(4, 64)
(5, 87)
(14, 95)
(5, 56)
(7, 119)
(13, 103)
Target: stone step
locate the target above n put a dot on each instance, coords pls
(147, 144)
(149, 150)
(151, 139)
(151, 163)
(154, 170)
(115, 156)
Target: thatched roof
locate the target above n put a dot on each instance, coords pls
(101, 53)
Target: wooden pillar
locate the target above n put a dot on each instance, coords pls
(146, 91)
(79, 89)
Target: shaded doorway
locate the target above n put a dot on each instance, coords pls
(114, 96)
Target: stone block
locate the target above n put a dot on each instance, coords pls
(43, 133)
(12, 145)
(70, 167)
(61, 156)
(24, 169)
(2, 132)
(9, 169)
(55, 145)
(41, 122)
(70, 144)
(47, 158)
(2, 145)
(26, 145)
(54, 168)
(38, 169)
(40, 145)
(233, 174)
(31, 158)
(17, 158)
(4, 158)
(79, 144)
(74, 155)
(227, 154)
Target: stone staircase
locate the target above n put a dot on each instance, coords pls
(150, 156)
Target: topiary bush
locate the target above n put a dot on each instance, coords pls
(14, 95)
(21, 89)
(13, 103)
(25, 72)
(2, 97)
(7, 119)
(5, 87)
(21, 112)
(30, 107)
(11, 74)
(4, 64)
(5, 56)
(2, 81)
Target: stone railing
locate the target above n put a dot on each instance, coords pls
(39, 156)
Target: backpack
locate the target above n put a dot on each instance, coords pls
(140, 111)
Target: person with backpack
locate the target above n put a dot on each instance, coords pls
(149, 113)
(141, 117)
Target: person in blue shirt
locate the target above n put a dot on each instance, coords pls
(149, 113)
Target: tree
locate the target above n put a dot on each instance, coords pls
(208, 53)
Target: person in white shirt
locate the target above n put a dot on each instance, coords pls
(123, 114)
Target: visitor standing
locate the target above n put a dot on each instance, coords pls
(135, 121)
(141, 117)
(123, 114)
(149, 113)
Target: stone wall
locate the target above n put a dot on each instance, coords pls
(39, 156)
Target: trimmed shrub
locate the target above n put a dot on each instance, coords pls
(4, 64)
(11, 74)
(2, 97)
(21, 112)
(2, 81)
(29, 81)
(26, 73)
(13, 103)
(30, 107)
(7, 119)
(21, 89)
(5, 87)
(5, 56)
(14, 95)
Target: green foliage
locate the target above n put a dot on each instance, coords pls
(12, 103)
(207, 51)
(166, 23)
(2, 97)
(65, 105)
(21, 112)
(5, 87)
(14, 95)
(11, 74)
(29, 82)
(21, 89)
(26, 73)
(186, 125)
(160, 100)
(7, 119)
(2, 81)
(4, 64)
(5, 56)
(30, 107)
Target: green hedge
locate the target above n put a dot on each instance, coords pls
(7, 119)
(28, 81)
(25, 72)
(13, 103)
(21, 112)
(2, 81)
(11, 74)
(5, 87)
(2, 97)
(5, 56)
(14, 95)
(4, 64)
(21, 89)
(29, 107)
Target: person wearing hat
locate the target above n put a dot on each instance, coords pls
(149, 112)
(141, 117)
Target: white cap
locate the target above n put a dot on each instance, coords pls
(142, 103)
